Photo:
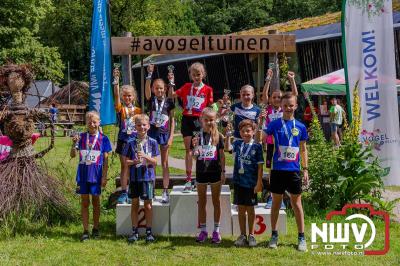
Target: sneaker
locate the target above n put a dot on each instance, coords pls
(216, 238)
(188, 187)
(165, 197)
(95, 233)
(132, 238)
(273, 242)
(123, 198)
(241, 241)
(202, 237)
(194, 186)
(85, 236)
(252, 241)
(269, 203)
(302, 245)
(150, 238)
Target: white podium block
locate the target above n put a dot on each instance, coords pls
(262, 223)
(183, 212)
(160, 224)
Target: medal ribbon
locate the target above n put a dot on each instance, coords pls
(197, 93)
(241, 155)
(202, 141)
(88, 147)
(285, 129)
(159, 108)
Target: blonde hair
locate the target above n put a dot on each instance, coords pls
(140, 118)
(92, 114)
(247, 86)
(198, 67)
(214, 129)
(131, 89)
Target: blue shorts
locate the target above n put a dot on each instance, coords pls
(141, 189)
(160, 137)
(334, 127)
(88, 188)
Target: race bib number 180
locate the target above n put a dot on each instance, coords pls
(288, 153)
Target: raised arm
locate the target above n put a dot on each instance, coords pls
(147, 92)
(268, 79)
(227, 142)
(116, 75)
(292, 82)
(171, 127)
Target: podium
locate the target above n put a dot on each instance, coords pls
(262, 223)
(160, 218)
(183, 212)
(179, 217)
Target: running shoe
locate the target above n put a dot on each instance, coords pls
(150, 238)
(123, 198)
(216, 238)
(188, 187)
(302, 245)
(85, 236)
(241, 241)
(273, 242)
(252, 241)
(132, 238)
(202, 237)
(95, 233)
(165, 197)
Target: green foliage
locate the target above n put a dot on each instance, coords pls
(379, 204)
(359, 172)
(19, 28)
(221, 17)
(341, 176)
(283, 71)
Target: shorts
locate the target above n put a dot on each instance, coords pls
(270, 154)
(120, 146)
(334, 127)
(208, 179)
(189, 125)
(244, 196)
(160, 137)
(285, 180)
(89, 188)
(141, 189)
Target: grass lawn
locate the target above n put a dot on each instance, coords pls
(39, 244)
(60, 245)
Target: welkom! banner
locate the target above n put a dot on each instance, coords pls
(101, 99)
(368, 44)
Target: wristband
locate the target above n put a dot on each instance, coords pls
(149, 75)
(115, 82)
(268, 78)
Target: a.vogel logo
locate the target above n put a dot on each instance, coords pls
(336, 236)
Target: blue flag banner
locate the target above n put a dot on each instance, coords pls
(101, 98)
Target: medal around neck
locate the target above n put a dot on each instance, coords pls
(295, 132)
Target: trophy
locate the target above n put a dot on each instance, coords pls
(171, 77)
(117, 66)
(263, 120)
(196, 150)
(231, 117)
(139, 148)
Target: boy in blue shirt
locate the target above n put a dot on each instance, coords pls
(140, 154)
(247, 178)
(290, 138)
(91, 175)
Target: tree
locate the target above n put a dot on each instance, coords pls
(19, 42)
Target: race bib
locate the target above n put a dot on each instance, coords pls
(208, 152)
(91, 159)
(162, 119)
(289, 154)
(195, 102)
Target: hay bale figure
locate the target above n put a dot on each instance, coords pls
(24, 185)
